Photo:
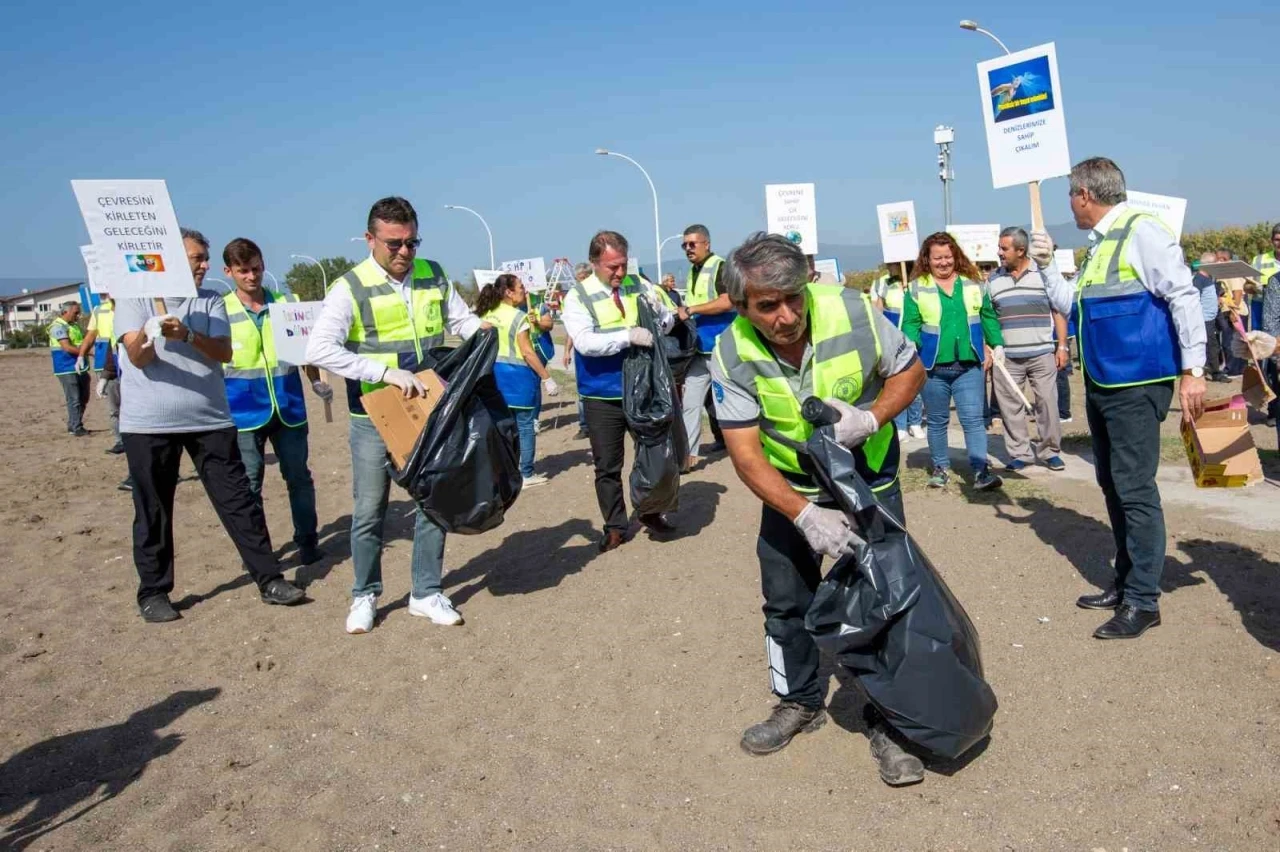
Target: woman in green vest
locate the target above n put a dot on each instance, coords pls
(948, 315)
(518, 369)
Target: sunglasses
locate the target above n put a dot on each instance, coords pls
(394, 246)
(689, 245)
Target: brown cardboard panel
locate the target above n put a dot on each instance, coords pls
(1254, 388)
(399, 419)
(1220, 447)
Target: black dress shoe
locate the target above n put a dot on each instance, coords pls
(611, 540)
(657, 524)
(280, 591)
(157, 610)
(115, 449)
(1129, 622)
(1109, 599)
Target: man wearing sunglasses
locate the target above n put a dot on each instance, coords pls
(708, 303)
(377, 322)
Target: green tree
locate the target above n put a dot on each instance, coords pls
(306, 282)
(1245, 241)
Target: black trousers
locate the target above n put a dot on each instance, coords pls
(709, 405)
(1213, 347)
(607, 430)
(153, 463)
(1125, 425)
(789, 573)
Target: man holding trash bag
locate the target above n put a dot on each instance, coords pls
(377, 322)
(600, 314)
(793, 340)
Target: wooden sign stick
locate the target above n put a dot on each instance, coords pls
(1037, 213)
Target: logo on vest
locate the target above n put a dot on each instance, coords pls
(718, 390)
(846, 390)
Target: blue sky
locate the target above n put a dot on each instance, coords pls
(284, 121)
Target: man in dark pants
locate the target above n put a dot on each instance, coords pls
(600, 315)
(792, 340)
(1141, 327)
(172, 384)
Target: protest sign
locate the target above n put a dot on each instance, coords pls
(291, 324)
(1065, 260)
(93, 270)
(978, 242)
(1172, 211)
(135, 233)
(532, 271)
(899, 238)
(485, 277)
(828, 269)
(791, 209)
(633, 267)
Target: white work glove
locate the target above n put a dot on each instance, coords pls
(101, 388)
(81, 365)
(855, 424)
(550, 386)
(827, 531)
(997, 354)
(151, 328)
(1041, 248)
(640, 337)
(404, 380)
(322, 390)
(1259, 345)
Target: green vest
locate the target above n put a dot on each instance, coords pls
(702, 289)
(1267, 264)
(506, 319)
(382, 327)
(846, 349)
(929, 301)
(64, 363)
(258, 387)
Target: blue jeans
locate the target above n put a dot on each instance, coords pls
(371, 485)
(912, 415)
(290, 446)
(966, 384)
(526, 420)
(582, 414)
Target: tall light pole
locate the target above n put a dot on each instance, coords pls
(657, 229)
(324, 279)
(972, 26)
(943, 136)
(492, 262)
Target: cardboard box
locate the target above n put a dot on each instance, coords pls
(400, 419)
(1253, 387)
(1220, 447)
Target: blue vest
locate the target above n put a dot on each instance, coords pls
(518, 384)
(701, 290)
(601, 377)
(258, 386)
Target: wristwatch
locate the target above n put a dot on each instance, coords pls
(1194, 372)
(191, 336)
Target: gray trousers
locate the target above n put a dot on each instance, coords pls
(1040, 376)
(696, 383)
(113, 406)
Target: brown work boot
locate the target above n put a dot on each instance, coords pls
(898, 767)
(786, 720)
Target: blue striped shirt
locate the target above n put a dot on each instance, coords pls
(1022, 306)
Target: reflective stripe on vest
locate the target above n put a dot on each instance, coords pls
(105, 325)
(516, 380)
(258, 385)
(846, 349)
(894, 297)
(382, 327)
(701, 290)
(1127, 335)
(1267, 264)
(929, 300)
(64, 362)
(600, 377)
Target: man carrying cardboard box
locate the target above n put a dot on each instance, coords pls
(377, 322)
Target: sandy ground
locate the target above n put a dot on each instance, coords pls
(595, 702)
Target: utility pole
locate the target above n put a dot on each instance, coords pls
(943, 136)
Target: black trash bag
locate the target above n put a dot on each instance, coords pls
(886, 615)
(680, 345)
(464, 472)
(652, 409)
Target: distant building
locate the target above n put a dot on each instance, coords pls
(35, 307)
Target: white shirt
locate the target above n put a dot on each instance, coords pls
(579, 325)
(327, 348)
(1157, 258)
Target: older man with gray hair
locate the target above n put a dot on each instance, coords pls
(792, 340)
(1141, 328)
(1028, 324)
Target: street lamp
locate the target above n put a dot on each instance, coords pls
(657, 229)
(972, 26)
(274, 280)
(324, 279)
(492, 262)
(943, 136)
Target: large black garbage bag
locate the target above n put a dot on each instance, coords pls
(464, 472)
(652, 409)
(884, 613)
(680, 344)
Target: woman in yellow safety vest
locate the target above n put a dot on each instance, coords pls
(948, 315)
(518, 368)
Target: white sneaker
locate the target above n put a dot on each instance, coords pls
(360, 618)
(535, 479)
(916, 430)
(903, 436)
(436, 607)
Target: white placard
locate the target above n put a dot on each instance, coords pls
(291, 324)
(135, 232)
(1022, 110)
(532, 271)
(978, 242)
(485, 277)
(899, 237)
(1065, 260)
(93, 270)
(1172, 211)
(828, 269)
(791, 209)
(633, 267)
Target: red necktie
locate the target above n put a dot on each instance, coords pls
(617, 300)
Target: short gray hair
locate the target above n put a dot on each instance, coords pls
(764, 262)
(1102, 178)
(581, 270)
(1018, 236)
(68, 305)
(194, 235)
